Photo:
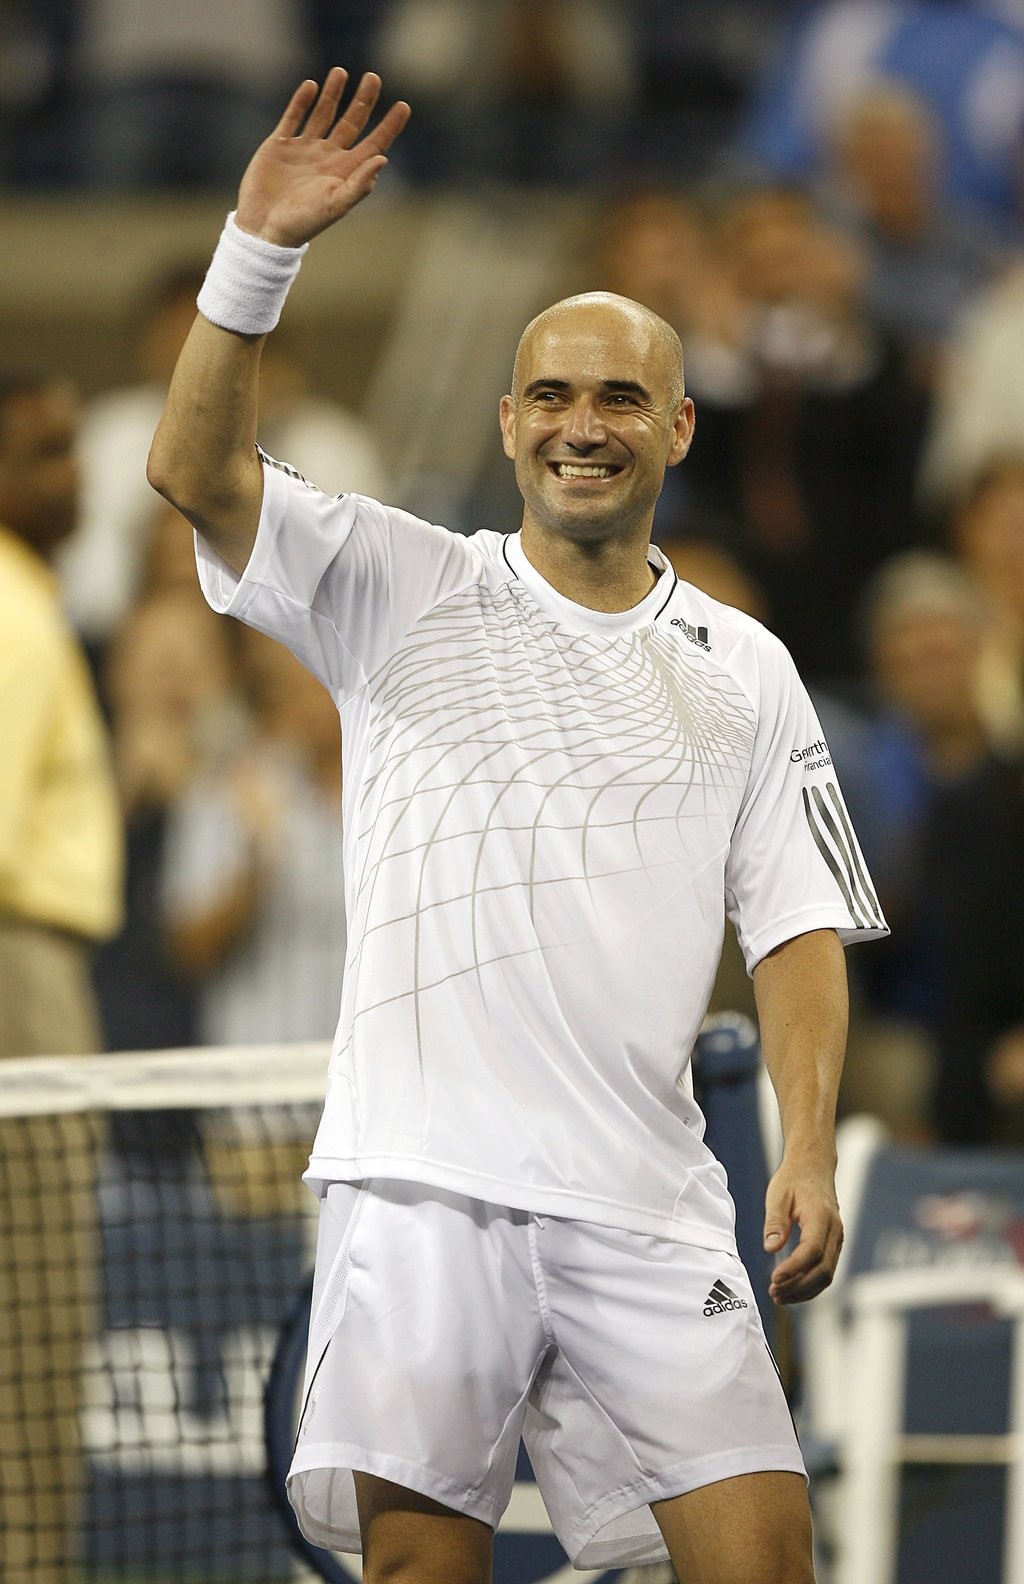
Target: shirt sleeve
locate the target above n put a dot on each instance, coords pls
(339, 580)
(29, 673)
(794, 863)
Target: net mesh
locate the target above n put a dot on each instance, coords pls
(154, 1235)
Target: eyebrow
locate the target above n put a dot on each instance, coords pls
(612, 387)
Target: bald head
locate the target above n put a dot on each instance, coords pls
(665, 351)
(595, 416)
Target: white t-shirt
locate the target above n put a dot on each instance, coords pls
(548, 812)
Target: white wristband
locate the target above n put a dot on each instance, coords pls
(248, 281)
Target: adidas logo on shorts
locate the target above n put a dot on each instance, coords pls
(721, 1298)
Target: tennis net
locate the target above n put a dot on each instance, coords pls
(154, 1236)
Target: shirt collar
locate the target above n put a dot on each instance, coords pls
(581, 617)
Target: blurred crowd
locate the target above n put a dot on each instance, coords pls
(827, 202)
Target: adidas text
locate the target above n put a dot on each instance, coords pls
(696, 635)
(722, 1298)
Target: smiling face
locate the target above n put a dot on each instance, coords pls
(596, 415)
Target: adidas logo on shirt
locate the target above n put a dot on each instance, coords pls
(696, 635)
(721, 1298)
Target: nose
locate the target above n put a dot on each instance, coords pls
(584, 427)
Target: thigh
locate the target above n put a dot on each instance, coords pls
(407, 1535)
(753, 1529)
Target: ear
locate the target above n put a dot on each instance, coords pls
(507, 419)
(682, 432)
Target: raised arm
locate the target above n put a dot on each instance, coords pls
(802, 1007)
(314, 167)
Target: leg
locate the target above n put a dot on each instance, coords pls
(752, 1529)
(409, 1539)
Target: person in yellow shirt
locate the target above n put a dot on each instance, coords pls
(60, 829)
(60, 892)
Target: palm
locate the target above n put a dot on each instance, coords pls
(317, 164)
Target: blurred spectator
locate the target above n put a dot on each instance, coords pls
(253, 865)
(60, 892)
(979, 410)
(174, 95)
(924, 621)
(654, 241)
(966, 62)
(988, 536)
(60, 831)
(483, 75)
(976, 839)
(953, 807)
(658, 246)
(103, 563)
(809, 425)
(329, 445)
(168, 680)
(925, 265)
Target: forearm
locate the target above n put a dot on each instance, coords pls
(803, 1012)
(802, 1005)
(203, 458)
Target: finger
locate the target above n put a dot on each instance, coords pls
(778, 1219)
(298, 106)
(326, 108)
(800, 1284)
(364, 177)
(801, 1292)
(809, 1269)
(805, 1258)
(810, 1249)
(358, 112)
(389, 126)
(776, 1232)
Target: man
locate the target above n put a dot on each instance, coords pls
(60, 892)
(60, 840)
(562, 765)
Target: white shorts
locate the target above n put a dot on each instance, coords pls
(443, 1328)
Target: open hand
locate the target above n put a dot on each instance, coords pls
(316, 165)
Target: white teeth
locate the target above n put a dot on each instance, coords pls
(577, 470)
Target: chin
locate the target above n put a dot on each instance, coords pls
(590, 529)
